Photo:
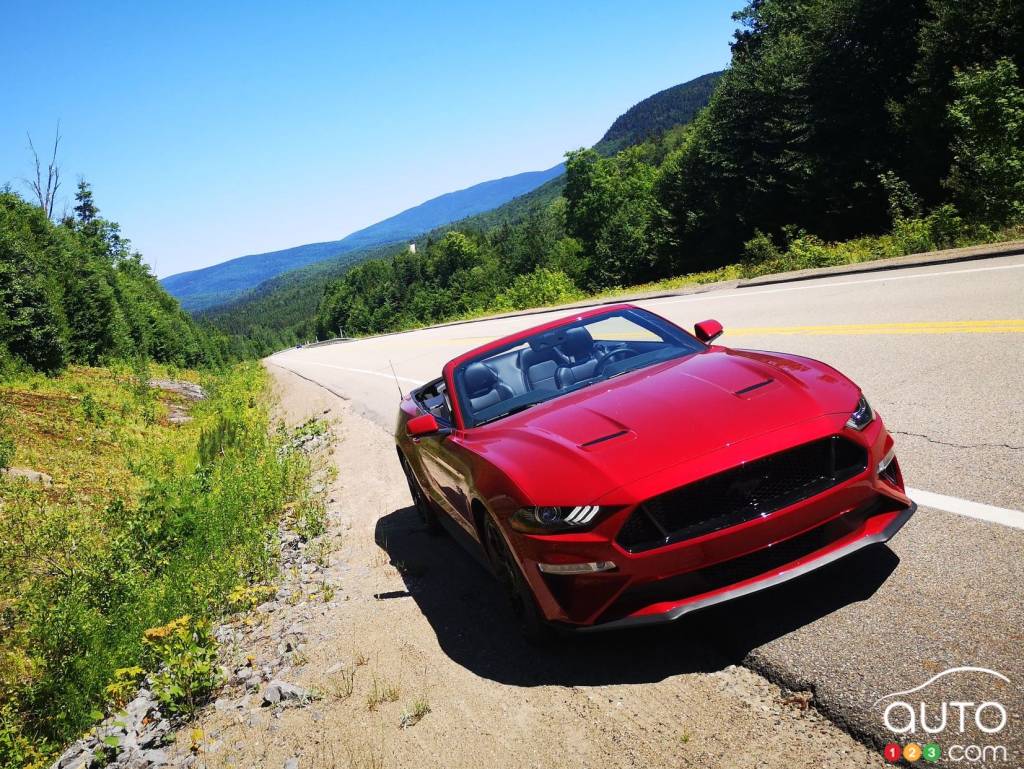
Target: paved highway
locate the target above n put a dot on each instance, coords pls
(939, 351)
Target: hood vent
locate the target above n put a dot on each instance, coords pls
(755, 386)
(603, 438)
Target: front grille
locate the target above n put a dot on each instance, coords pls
(752, 490)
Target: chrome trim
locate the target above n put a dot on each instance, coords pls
(590, 567)
(673, 614)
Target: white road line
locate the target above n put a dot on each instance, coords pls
(744, 292)
(1001, 515)
(387, 375)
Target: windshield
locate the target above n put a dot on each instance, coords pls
(552, 363)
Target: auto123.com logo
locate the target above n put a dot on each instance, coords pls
(928, 725)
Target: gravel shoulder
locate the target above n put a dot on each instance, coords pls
(414, 623)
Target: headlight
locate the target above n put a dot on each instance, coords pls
(861, 416)
(545, 520)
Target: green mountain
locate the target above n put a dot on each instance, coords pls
(220, 283)
(658, 113)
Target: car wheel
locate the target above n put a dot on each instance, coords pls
(531, 622)
(419, 500)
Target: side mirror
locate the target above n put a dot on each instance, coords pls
(708, 331)
(424, 424)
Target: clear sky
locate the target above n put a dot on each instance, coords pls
(214, 130)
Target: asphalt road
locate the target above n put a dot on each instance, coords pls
(939, 351)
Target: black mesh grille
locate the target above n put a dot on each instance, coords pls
(742, 493)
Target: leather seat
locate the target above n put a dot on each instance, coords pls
(539, 367)
(581, 356)
(483, 386)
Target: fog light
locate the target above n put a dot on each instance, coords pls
(887, 460)
(576, 568)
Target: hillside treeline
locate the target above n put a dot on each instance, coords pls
(76, 292)
(837, 119)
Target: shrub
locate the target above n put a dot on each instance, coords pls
(123, 687)
(809, 251)
(92, 410)
(6, 451)
(540, 287)
(6, 441)
(17, 750)
(759, 249)
(185, 652)
(987, 174)
(244, 597)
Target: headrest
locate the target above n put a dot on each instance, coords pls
(479, 378)
(578, 341)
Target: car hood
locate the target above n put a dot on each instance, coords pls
(575, 448)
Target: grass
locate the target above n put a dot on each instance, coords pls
(341, 685)
(381, 692)
(416, 712)
(145, 522)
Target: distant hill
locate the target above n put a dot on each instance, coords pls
(222, 283)
(658, 113)
(282, 308)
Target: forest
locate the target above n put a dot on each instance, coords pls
(843, 130)
(75, 292)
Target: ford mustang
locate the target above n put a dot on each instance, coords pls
(618, 471)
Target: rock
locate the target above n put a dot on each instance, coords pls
(281, 691)
(176, 415)
(155, 757)
(190, 390)
(269, 606)
(74, 756)
(28, 474)
(291, 763)
(154, 733)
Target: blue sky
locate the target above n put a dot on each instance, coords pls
(213, 130)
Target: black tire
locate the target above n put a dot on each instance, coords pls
(532, 624)
(419, 499)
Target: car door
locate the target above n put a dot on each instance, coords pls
(450, 471)
(445, 463)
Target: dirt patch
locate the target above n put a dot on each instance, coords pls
(414, 662)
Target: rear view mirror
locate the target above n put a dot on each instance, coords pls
(424, 424)
(708, 331)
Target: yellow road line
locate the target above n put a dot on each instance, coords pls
(1001, 326)
(1009, 326)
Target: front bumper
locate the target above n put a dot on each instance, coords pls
(790, 571)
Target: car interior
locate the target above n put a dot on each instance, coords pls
(551, 362)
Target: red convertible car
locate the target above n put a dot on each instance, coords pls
(618, 471)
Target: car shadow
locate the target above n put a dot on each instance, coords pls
(474, 625)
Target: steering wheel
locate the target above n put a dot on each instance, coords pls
(613, 357)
